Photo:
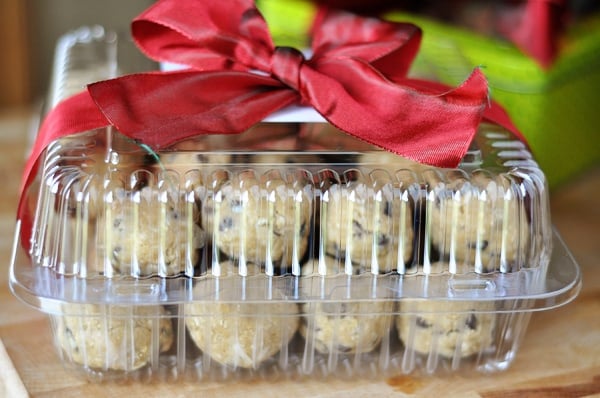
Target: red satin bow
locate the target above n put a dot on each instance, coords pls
(356, 78)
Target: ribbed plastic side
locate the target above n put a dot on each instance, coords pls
(119, 209)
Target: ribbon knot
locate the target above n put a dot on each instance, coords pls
(286, 64)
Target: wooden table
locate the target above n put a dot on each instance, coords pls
(560, 354)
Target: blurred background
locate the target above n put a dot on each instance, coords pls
(30, 29)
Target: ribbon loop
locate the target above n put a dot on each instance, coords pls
(285, 66)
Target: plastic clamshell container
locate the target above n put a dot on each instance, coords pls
(288, 251)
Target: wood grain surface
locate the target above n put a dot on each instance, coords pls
(14, 46)
(560, 355)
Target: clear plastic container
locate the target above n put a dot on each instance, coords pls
(291, 250)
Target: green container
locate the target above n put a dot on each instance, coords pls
(558, 109)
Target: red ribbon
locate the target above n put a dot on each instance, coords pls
(534, 26)
(356, 79)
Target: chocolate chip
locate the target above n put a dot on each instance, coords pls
(71, 337)
(71, 210)
(357, 229)
(483, 246)
(303, 229)
(226, 223)
(471, 322)
(236, 205)
(383, 240)
(422, 323)
(201, 158)
(387, 210)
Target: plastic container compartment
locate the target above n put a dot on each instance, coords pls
(288, 251)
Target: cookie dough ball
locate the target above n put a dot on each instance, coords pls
(241, 335)
(346, 327)
(343, 326)
(484, 233)
(365, 226)
(114, 337)
(447, 328)
(259, 223)
(146, 235)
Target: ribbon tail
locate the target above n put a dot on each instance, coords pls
(493, 112)
(534, 28)
(161, 109)
(456, 115)
(430, 124)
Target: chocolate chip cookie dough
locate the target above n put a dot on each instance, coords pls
(352, 326)
(482, 232)
(240, 334)
(448, 328)
(370, 228)
(113, 337)
(259, 222)
(148, 232)
(346, 327)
